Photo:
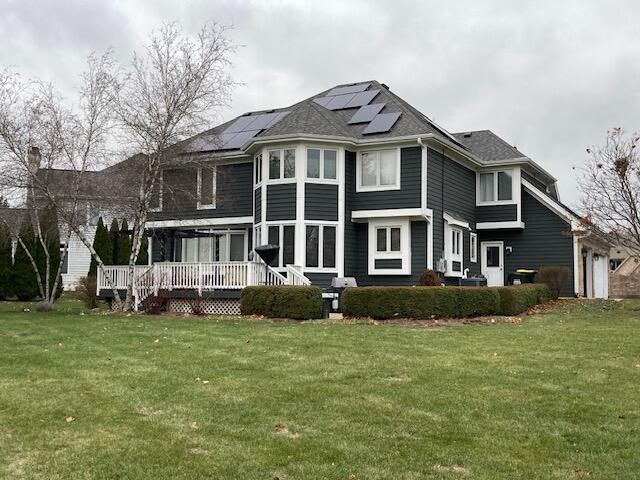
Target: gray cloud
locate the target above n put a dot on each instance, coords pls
(549, 77)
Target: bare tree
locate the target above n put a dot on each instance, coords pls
(169, 93)
(39, 132)
(610, 186)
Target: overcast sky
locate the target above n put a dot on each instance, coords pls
(549, 77)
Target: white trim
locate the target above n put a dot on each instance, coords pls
(340, 169)
(515, 186)
(357, 215)
(405, 247)
(430, 243)
(149, 250)
(424, 153)
(454, 221)
(473, 252)
(498, 225)
(449, 255)
(214, 188)
(576, 260)
(548, 202)
(201, 222)
(378, 188)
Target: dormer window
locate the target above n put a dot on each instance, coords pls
(495, 187)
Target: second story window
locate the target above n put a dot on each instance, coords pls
(257, 166)
(321, 164)
(495, 187)
(378, 170)
(206, 187)
(282, 164)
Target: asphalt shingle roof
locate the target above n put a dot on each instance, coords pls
(488, 146)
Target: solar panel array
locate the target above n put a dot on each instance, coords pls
(358, 95)
(238, 133)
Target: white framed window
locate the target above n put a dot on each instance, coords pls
(389, 246)
(207, 186)
(322, 164)
(155, 201)
(283, 235)
(453, 248)
(473, 247)
(378, 170)
(282, 164)
(257, 169)
(320, 241)
(496, 187)
(222, 246)
(257, 236)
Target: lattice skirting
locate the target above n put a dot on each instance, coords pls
(207, 306)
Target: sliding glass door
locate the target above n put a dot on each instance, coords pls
(217, 247)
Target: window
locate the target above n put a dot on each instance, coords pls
(388, 239)
(285, 237)
(389, 247)
(65, 258)
(453, 248)
(217, 247)
(495, 187)
(257, 174)
(321, 246)
(207, 177)
(321, 164)
(257, 236)
(282, 164)
(473, 247)
(379, 170)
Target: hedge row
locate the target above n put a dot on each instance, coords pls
(282, 301)
(518, 298)
(419, 302)
(440, 302)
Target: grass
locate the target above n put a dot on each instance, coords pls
(114, 397)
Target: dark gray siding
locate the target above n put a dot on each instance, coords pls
(497, 213)
(389, 263)
(451, 187)
(360, 267)
(544, 240)
(539, 184)
(281, 202)
(233, 185)
(409, 194)
(163, 245)
(350, 229)
(258, 205)
(320, 202)
(474, 268)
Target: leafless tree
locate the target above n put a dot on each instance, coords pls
(169, 93)
(610, 186)
(39, 132)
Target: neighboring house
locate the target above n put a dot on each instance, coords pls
(356, 182)
(99, 196)
(624, 274)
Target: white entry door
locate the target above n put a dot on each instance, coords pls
(600, 276)
(492, 254)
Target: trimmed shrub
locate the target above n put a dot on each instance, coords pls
(87, 291)
(154, 305)
(429, 278)
(556, 278)
(5, 263)
(143, 254)
(124, 245)
(23, 277)
(282, 301)
(516, 299)
(419, 302)
(103, 245)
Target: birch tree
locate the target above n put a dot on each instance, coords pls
(170, 91)
(610, 186)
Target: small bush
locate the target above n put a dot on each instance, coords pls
(516, 299)
(44, 307)
(419, 302)
(87, 292)
(154, 304)
(556, 278)
(429, 278)
(282, 301)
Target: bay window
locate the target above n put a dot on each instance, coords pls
(378, 170)
(389, 249)
(495, 187)
(282, 164)
(321, 163)
(283, 236)
(257, 166)
(320, 246)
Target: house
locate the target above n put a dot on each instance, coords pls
(354, 181)
(624, 272)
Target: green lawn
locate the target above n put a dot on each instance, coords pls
(557, 396)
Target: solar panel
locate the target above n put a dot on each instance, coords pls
(239, 139)
(366, 113)
(381, 123)
(261, 121)
(362, 98)
(324, 101)
(361, 87)
(240, 124)
(279, 116)
(340, 101)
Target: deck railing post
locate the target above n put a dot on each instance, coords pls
(199, 279)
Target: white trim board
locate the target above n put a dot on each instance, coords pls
(453, 221)
(498, 225)
(363, 215)
(200, 222)
(548, 202)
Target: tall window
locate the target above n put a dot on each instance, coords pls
(379, 170)
(207, 177)
(285, 237)
(282, 163)
(321, 164)
(257, 165)
(496, 187)
(388, 239)
(453, 248)
(321, 246)
(473, 247)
